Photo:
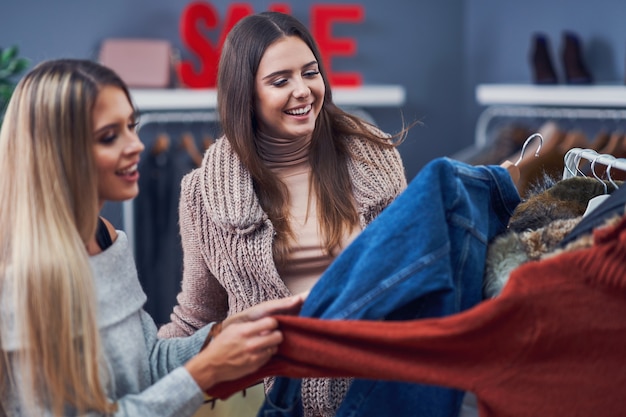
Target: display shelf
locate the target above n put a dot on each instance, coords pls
(206, 99)
(552, 95)
(181, 104)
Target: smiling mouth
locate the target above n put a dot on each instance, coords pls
(299, 112)
(128, 171)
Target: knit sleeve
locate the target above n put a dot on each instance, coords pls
(377, 174)
(176, 395)
(173, 392)
(202, 299)
(168, 354)
(167, 391)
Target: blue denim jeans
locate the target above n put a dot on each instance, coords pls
(424, 256)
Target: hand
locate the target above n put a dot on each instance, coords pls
(513, 169)
(288, 305)
(241, 348)
(246, 341)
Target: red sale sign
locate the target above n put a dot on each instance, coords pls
(200, 17)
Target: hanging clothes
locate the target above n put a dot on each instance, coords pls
(610, 208)
(422, 257)
(538, 226)
(552, 344)
(158, 252)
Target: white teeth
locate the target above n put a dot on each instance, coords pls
(128, 170)
(300, 111)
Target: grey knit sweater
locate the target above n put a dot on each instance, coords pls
(147, 377)
(227, 239)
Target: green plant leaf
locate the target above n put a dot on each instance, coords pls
(8, 54)
(21, 65)
(10, 67)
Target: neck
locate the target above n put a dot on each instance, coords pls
(92, 247)
(277, 152)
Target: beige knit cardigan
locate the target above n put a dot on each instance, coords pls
(227, 237)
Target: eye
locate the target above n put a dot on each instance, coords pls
(108, 137)
(311, 73)
(279, 82)
(133, 126)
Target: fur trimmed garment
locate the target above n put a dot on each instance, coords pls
(538, 225)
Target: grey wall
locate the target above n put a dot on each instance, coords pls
(439, 50)
(497, 40)
(417, 44)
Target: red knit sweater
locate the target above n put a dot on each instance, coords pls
(552, 344)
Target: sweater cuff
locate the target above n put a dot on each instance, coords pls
(184, 396)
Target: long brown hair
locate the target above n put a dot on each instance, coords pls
(243, 49)
(48, 213)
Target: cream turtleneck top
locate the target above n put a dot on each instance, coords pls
(288, 159)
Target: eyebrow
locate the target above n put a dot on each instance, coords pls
(288, 71)
(134, 116)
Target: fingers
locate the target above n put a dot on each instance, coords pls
(252, 344)
(236, 351)
(260, 334)
(288, 305)
(513, 169)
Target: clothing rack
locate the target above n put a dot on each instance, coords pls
(562, 113)
(574, 156)
(160, 117)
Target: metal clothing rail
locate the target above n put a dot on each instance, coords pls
(160, 117)
(575, 155)
(177, 117)
(201, 116)
(563, 113)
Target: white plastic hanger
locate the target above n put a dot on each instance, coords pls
(599, 199)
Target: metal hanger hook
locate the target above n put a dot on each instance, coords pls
(612, 160)
(531, 137)
(595, 174)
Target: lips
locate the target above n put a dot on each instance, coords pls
(301, 111)
(127, 171)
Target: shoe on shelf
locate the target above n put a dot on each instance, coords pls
(541, 60)
(574, 67)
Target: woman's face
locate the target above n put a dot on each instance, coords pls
(116, 147)
(289, 89)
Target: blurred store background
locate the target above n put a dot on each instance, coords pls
(427, 56)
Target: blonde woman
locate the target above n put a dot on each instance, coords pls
(73, 334)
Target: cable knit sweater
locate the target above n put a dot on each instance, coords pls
(227, 237)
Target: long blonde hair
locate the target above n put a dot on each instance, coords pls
(48, 212)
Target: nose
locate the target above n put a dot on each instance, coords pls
(134, 144)
(301, 90)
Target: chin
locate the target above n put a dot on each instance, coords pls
(132, 196)
(125, 196)
(301, 133)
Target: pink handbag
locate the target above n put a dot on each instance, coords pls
(141, 63)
